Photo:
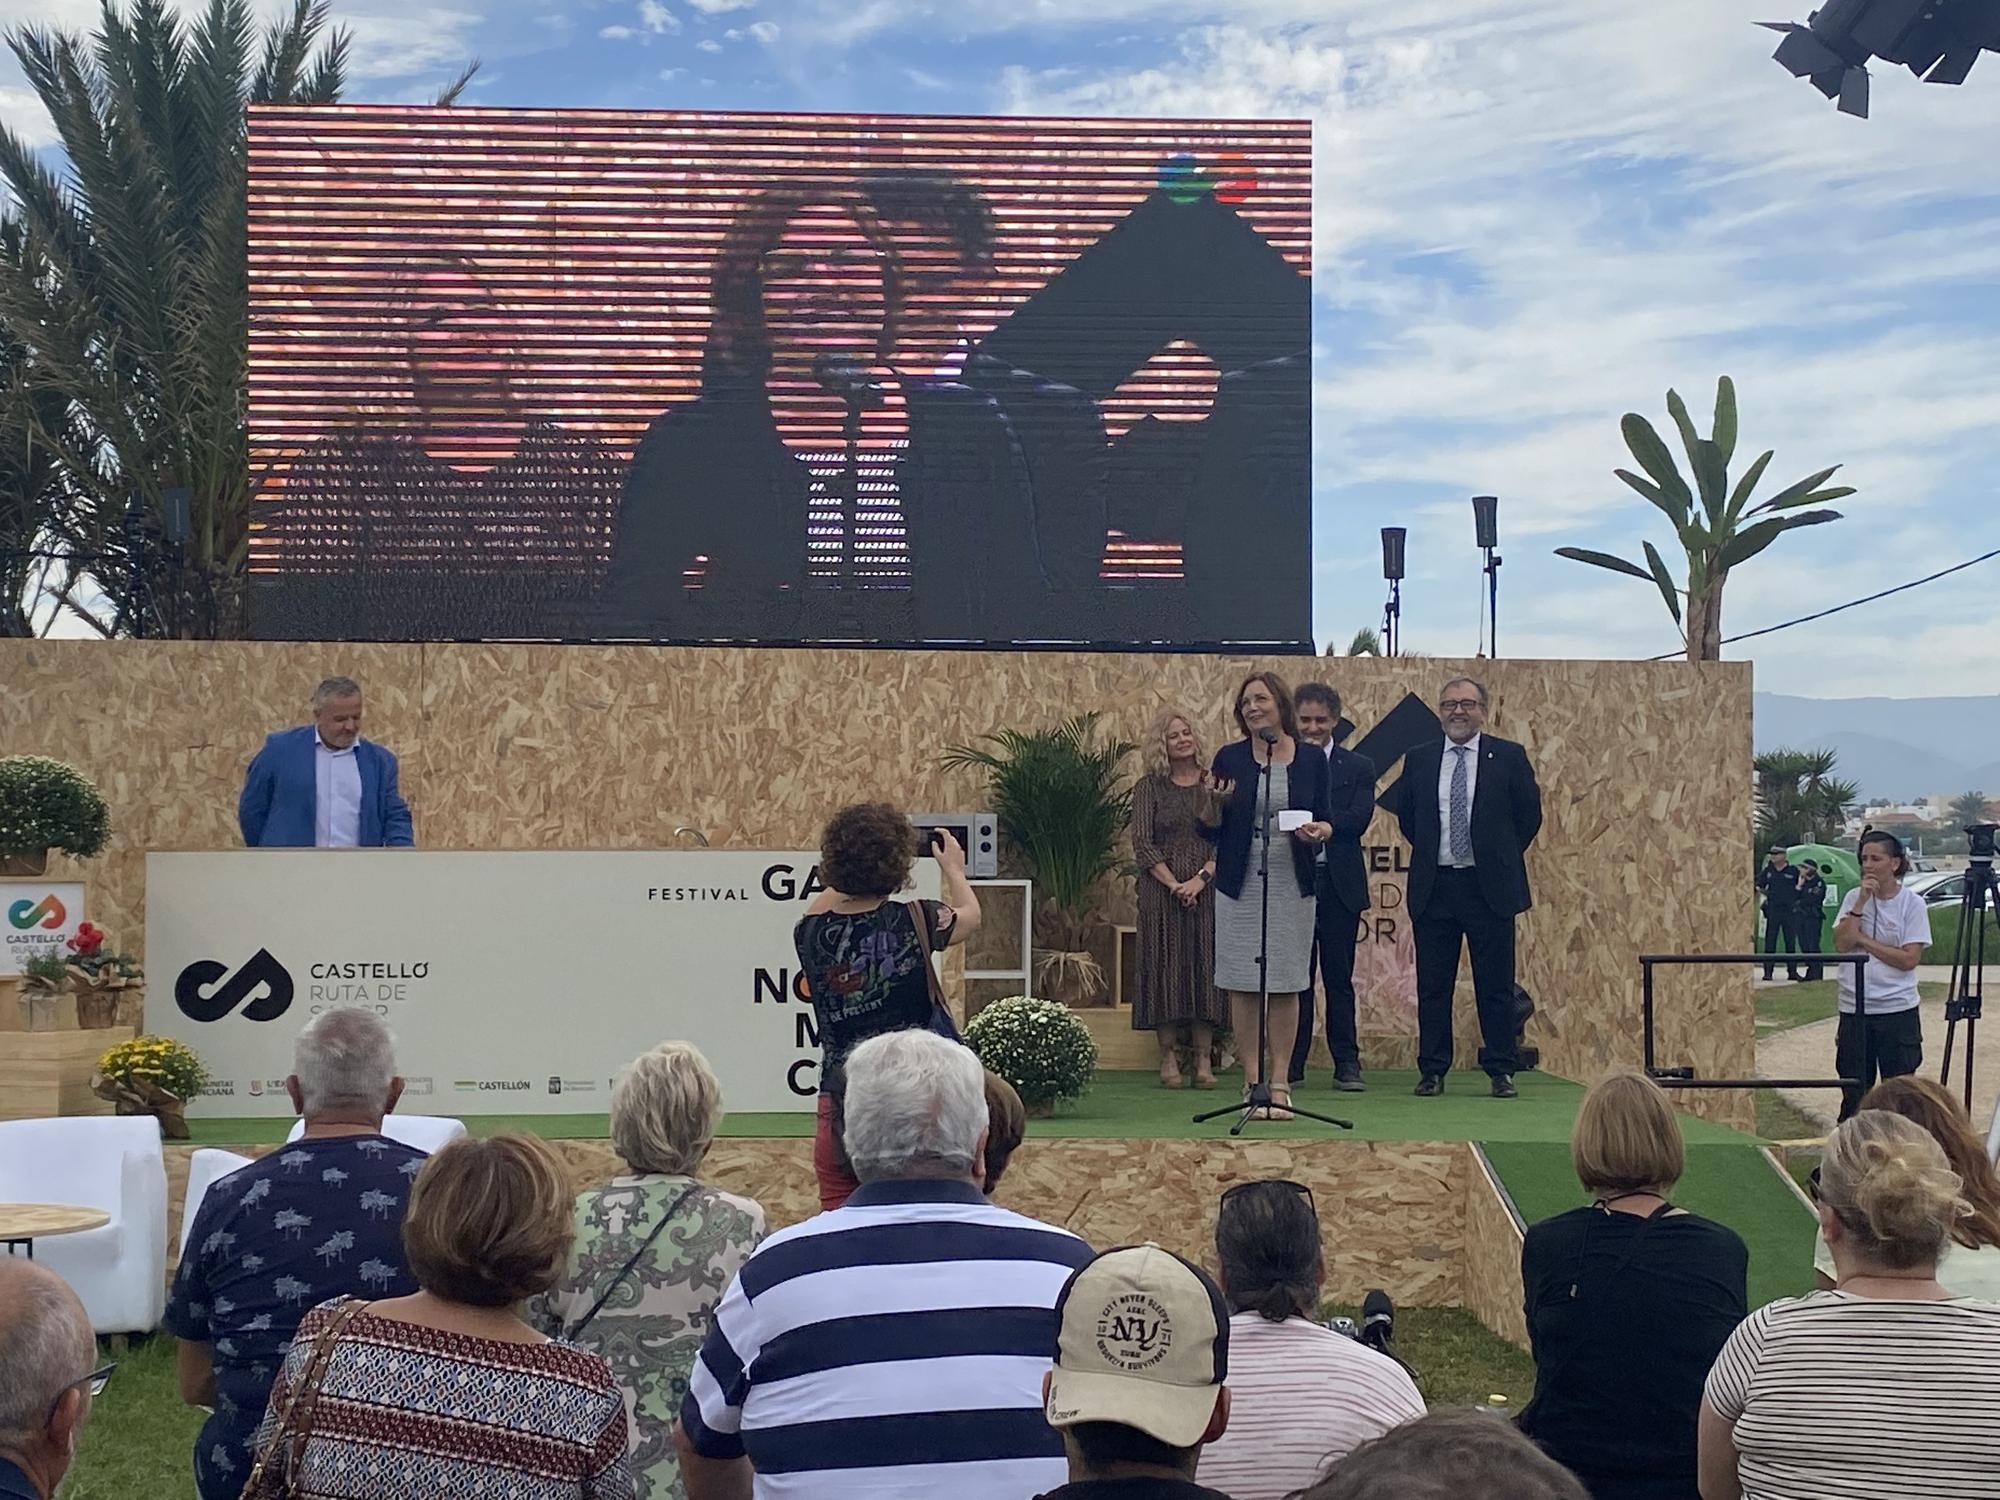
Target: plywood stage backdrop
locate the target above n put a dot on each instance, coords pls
(1645, 770)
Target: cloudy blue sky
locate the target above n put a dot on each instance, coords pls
(1531, 216)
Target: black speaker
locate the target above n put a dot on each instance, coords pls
(1486, 519)
(1393, 540)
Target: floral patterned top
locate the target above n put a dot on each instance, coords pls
(866, 973)
(651, 1325)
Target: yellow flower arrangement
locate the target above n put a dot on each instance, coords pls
(170, 1065)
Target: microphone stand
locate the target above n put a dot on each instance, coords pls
(1259, 1096)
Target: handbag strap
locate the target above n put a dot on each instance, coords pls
(626, 1269)
(296, 1424)
(922, 919)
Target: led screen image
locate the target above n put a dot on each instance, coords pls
(580, 375)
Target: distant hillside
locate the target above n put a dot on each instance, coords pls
(1893, 747)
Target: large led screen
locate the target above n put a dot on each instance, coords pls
(582, 375)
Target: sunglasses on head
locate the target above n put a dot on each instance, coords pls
(1280, 1182)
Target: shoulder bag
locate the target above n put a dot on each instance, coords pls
(276, 1474)
(941, 1021)
(625, 1270)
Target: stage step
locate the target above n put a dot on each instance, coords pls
(1118, 1045)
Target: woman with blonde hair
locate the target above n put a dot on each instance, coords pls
(449, 1391)
(1970, 1264)
(1176, 999)
(1628, 1301)
(1883, 1386)
(655, 1248)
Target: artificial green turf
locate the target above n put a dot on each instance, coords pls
(1132, 1105)
(1731, 1184)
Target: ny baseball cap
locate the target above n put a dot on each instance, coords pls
(1142, 1340)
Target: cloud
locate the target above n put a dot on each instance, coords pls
(925, 80)
(1533, 215)
(616, 33)
(709, 44)
(657, 18)
(668, 75)
(718, 7)
(765, 32)
(408, 42)
(21, 112)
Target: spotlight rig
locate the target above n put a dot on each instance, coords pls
(1938, 40)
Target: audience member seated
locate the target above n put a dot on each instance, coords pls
(1142, 1350)
(866, 957)
(1457, 1454)
(653, 1251)
(1884, 1386)
(1006, 1127)
(447, 1392)
(48, 1378)
(1970, 1265)
(1628, 1302)
(895, 1346)
(319, 1218)
(1301, 1396)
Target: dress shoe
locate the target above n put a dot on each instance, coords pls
(1349, 1081)
(1503, 1086)
(1429, 1086)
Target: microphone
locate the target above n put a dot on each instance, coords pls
(1378, 1320)
(1268, 735)
(843, 375)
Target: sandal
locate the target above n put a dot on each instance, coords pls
(1173, 1079)
(1204, 1080)
(1281, 1106)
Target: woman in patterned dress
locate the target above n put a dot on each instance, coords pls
(448, 1391)
(654, 1252)
(1177, 999)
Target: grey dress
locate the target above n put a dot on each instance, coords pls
(1237, 921)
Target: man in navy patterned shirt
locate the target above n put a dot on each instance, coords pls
(320, 1218)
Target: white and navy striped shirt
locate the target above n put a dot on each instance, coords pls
(891, 1347)
(1838, 1397)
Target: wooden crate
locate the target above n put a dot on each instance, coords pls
(47, 1073)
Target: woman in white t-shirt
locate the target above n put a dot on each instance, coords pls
(1893, 927)
(1970, 1264)
(1883, 1386)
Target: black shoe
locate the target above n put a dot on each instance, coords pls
(1429, 1086)
(1503, 1086)
(1348, 1081)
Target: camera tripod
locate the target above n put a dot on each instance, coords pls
(1965, 995)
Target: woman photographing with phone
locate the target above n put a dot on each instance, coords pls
(866, 957)
(1893, 927)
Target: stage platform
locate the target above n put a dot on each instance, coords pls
(1425, 1198)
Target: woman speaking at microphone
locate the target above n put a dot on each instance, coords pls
(1234, 816)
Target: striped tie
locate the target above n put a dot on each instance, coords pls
(1461, 809)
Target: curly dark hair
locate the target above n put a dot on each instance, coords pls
(868, 849)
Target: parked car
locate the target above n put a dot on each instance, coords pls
(1938, 887)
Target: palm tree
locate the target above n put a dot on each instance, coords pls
(1799, 799)
(1716, 539)
(31, 492)
(1367, 642)
(130, 292)
(1968, 808)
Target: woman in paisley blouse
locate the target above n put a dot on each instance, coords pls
(654, 1252)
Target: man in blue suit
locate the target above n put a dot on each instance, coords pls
(321, 785)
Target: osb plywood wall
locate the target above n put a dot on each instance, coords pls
(1645, 770)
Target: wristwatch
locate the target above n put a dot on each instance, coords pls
(1203, 876)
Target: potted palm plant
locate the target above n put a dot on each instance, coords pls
(1062, 800)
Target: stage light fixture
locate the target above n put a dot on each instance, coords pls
(1938, 40)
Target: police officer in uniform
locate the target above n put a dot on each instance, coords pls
(1810, 914)
(1779, 882)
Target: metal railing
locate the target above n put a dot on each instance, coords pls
(1684, 1077)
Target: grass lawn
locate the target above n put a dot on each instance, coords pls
(140, 1442)
(1780, 1007)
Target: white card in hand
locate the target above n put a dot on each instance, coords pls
(1291, 819)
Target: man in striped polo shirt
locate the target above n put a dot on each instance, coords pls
(894, 1346)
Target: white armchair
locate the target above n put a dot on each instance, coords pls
(112, 1164)
(427, 1133)
(207, 1167)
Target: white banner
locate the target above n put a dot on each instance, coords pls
(37, 917)
(516, 982)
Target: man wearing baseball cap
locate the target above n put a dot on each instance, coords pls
(1142, 1348)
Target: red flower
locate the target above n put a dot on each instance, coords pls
(87, 941)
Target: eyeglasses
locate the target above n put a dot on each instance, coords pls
(96, 1380)
(1460, 705)
(1279, 1182)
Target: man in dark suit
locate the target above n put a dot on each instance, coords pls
(1469, 806)
(323, 786)
(1343, 889)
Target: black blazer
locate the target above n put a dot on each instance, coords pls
(1307, 785)
(1351, 794)
(1506, 816)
